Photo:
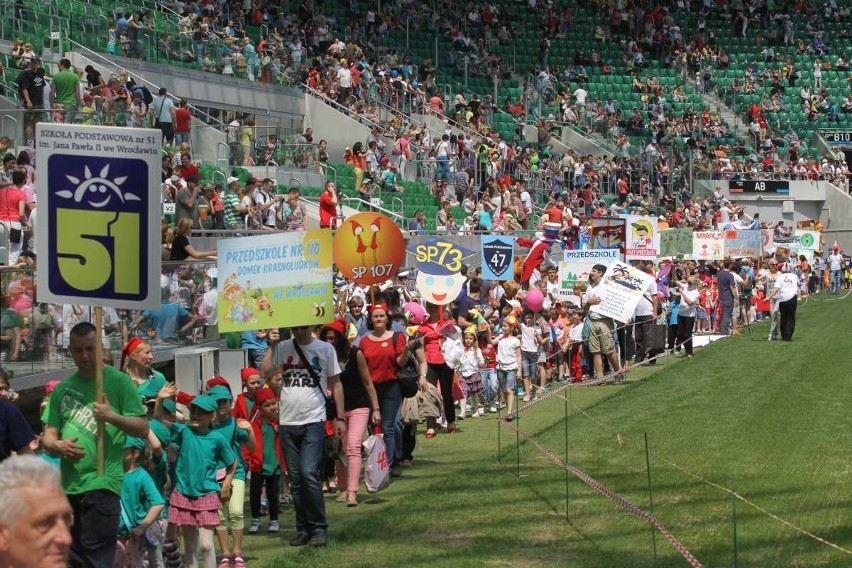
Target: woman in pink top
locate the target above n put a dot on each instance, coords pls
(13, 215)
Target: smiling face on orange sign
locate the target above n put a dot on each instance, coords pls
(368, 248)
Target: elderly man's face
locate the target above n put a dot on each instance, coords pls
(40, 536)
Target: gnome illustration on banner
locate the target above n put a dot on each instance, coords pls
(539, 253)
(439, 262)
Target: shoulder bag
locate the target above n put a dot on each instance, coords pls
(330, 407)
(408, 374)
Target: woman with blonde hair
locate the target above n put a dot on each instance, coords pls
(689, 295)
(136, 359)
(181, 249)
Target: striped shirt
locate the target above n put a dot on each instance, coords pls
(232, 201)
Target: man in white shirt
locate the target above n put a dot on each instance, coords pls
(786, 289)
(600, 337)
(580, 95)
(309, 372)
(344, 82)
(835, 262)
(646, 312)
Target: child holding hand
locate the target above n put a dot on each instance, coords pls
(197, 495)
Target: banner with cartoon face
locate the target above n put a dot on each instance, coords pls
(368, 248)
(620, 290)
(643, 241)
(606, 233)
(99, 213)
(276, 280)
(708, 245)
(439, 264)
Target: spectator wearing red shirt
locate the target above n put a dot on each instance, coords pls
(182, 123)
(187, 169)
(622, 190)
(328, 206)
(217, 208)
(385, 352)
(13, 215)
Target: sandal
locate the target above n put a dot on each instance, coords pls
(353, 501)
(239, 562)
(343, 497)
(430, 433)
(225, 562)
(332, 487)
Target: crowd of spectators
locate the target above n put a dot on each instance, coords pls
(500, 186)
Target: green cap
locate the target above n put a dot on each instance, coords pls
(205, 402)
(160, 431)
(134, 442)
(219, 392)
(169, 406)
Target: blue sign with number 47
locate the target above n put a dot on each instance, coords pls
(498, 258)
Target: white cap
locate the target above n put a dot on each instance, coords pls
(231, 180)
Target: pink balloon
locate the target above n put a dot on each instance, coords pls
(418, 314)
(535, 299)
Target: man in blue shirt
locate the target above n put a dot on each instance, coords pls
(727, 293)
(167, 319)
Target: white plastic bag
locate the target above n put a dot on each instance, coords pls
(377, 472)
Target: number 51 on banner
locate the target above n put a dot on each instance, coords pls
(99, 211)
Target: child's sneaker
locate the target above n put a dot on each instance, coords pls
(273, 527)
(254, 527)
(284, 502)
(526, 398)
(493, 409)
(476, 414)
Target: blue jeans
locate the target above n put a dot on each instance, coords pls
(834, 283)
(390, 403)
(95, 529)
(489, 380)
(443, 168)
(303, 449)
(529, 360)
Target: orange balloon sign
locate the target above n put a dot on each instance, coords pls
(368, 248)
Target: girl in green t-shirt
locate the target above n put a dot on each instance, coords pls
(197, 495)
(141, 505)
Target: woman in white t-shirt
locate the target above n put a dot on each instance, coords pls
(689, 294)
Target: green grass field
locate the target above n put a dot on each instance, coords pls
(772, 415)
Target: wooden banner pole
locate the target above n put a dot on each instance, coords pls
(99, 380)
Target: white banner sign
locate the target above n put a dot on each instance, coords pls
(620, 290)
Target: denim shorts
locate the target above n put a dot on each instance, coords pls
(506, 380)
(529, 359)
